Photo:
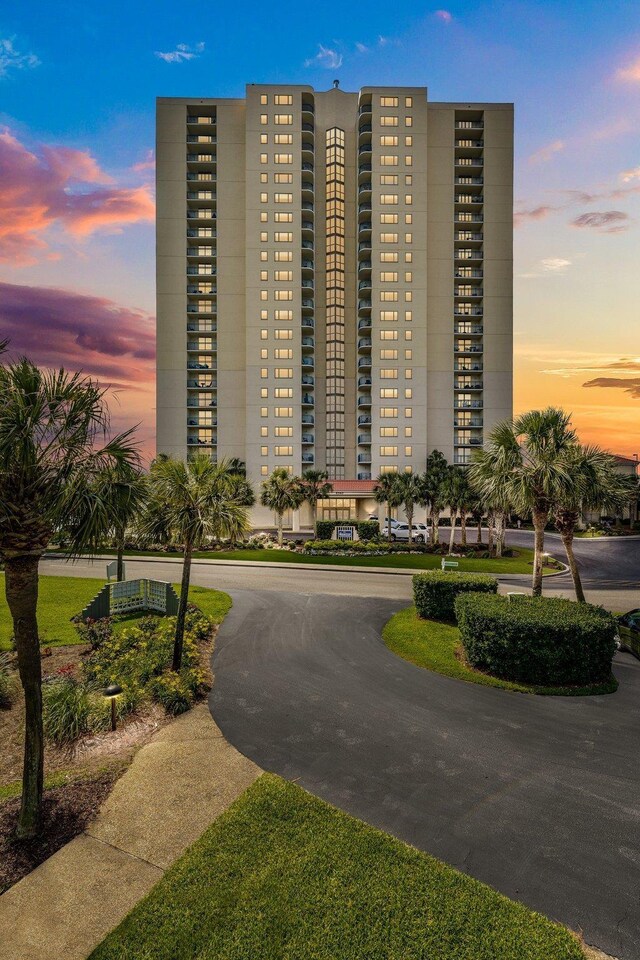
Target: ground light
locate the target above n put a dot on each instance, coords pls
(111, 692)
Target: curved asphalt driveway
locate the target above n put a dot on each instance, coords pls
(537, 796)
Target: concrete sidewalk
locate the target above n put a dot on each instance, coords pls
(184, 778)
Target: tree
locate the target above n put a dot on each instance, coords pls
(281, 492)
(433, 487)
(387, 490)
(524, 465)
(593, 483)
(191, 503)
(121, 491)
(315, 486)
(411, 491)
(54, 429)
(455, 493)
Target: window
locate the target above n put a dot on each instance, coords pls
(264, 373)
(264, 197)
(408, 393)
(264, 217)
(283, 138)
(408, 276)
(264, 119)
(408, 315)
(388, 121)
(408, 199)
(283, 295)
(388, 431)
(388, 179)
(388, 393)
(283, 373)
(264, 99)
(283, 158)
(408, 121)
(283, 451)
(388, 277)
(264, 411)
(264, 393)
(283, 431)
(283, 412)
(388, 257)
(264, 431)
(264, 334)
(283, 119)
(283, 178)
(408, 238)
(283, 197)
(388, 334)
(283, 393)
(388, 316)
(408, 141)
(408, 101)
(408, 354)
(388, 101)
(264, 138)
(388, 354)
(283, 237)
(408, 161)
(387, 141)
(264, 451)
(388, 295)
(408, 218)
(283, 217)
(283, 255)
(264, 470)
(408, 451)
(283, 334)
(264, 294)
(282, 354)
(388, 238)
(283, 315)
(408, 296)
(283, 99)
(264, 178)
(408, 374)
(389, 373)
(408, 334)
(283, 275)
(388, 451)
(388, 412)
(408, 412)
(264, 274)
(388, 161)
(388, 218)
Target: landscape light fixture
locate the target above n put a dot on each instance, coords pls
(111, 692)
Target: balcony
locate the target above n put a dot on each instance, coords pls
(201, 195)
(365, 284)
(196, 308)
(469, 181)
(473, 292)
(364, 439)
(191, 422)
(194, 442)
(307, 225)
(473, 422)
(193, 403)
(469, 162)
(469, 274)
(469, 144)
(195, 347)
(364, 458)
(364, 401)
(210, 271)
(203, 326)
(203, 385)
(308, 342)
(364, 188)
(366, 475)
(364, 128)
(307, 400)
(308, 322)
(200, 138)
(461, 459)
(469, 348)
(365, 148)
(364, 108)
(307, 304)
(307, 128)
(364, 304)
(364, 323)
(474, 312)
(468, 442)
(307, 380)
(308, 418)
(364, 265)
(307, 244)
(307, 284)
(468, 367)
(364, 343)
(364, 168)
(466, 198)
(364, 227)
(201, 158)
(467, 236)
(364, 381)
(467, 385)
(201, 121)
(471, 329)
(308, 457)
(364, 363)
(307, 167)
(365, 246)
(307, 107)
(364, 420)
(307, 361)
(198, 214)
(364, 208)
(307, 264)
(307, 438)
(467, 404)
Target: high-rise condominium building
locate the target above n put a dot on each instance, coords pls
(334, 277)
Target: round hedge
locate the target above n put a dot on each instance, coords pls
(537, 640)
(435, 591)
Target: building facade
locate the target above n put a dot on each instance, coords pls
(334, 279)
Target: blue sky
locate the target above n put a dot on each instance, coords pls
(84, 78)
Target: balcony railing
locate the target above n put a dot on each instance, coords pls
(365, 475)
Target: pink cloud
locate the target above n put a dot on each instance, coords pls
(544, 154)
(444, 15)
(58, 186)
(606, 221)
(149, 163)
(630, 73)
(536, 213)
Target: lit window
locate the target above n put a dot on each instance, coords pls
(264, 451)
(408, 354)
(408, 238)
(388, 161)
(264, 470)
(408, 179)
(387, 141)
(283, 295)
(283, 275)
(264, 99)
(388, 295)
(389, 373)
(283, 412)
(408, 258)
(264, 197)
(388, 316)
(388, 218)
(264, 431)
(388, 121)
(283, 373)
(264, 255)
(264, 178)
(264, 236)
(264, 315)
(264, 393)
(264, 294)
(388, 393)
(408, 101)
(388, 451)
(283, 158)
(283, 393)
(283, 451)
(264, 118)
(408, 161)
(284, 334)
(388, 277)
(408, 334)
(408, 199)
(388, 257)
(388, 101)
(388, 431)
(264, 411)
(264, 158)
(408, 296)
(264, 138)
(388, 412)
(388, 354)
(283, 138)
(388, 179)
(408, 141)
(283, 217)
(264, 217)
(408, 121)
(408, 412)
(283, 237)
(283, 255)
(283, 100)
(264, 334)
(408, 218)
(282, 354)
(408, 315)
(283, 119)
(283, 197)
(408, 374)
(388, 238)
(264, 274)
(264, 373)
(283, 431)
(408, 393)
(284, 315)
(388, 334)
(408, 451)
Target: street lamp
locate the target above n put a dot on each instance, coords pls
(111, 692)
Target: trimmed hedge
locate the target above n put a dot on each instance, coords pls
(435, 592)
(367, 529)
(538, 640)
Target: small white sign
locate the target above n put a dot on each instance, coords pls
(345, 533)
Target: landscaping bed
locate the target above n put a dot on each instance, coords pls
(83, 756)
(283, 874)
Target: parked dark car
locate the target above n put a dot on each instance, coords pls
(629, 631)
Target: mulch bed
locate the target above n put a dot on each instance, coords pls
(67, 811)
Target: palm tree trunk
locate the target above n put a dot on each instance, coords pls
(120, 534)
(490, 533)
(314, 516)
(182, 608)
(389, 520)
(463, 528)
(567, 540)
(479, 538)
(499, 528)
(408, 509)
(452, 535)
(435, 523)
(540, 518)
(280, 523)
(21, 587)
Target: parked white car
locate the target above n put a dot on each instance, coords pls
(400, 531)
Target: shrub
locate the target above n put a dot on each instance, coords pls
(537, 640)
(368, 529)
(5, 681)
(435, 591)
(66, 709)
(93, 632)
(324, 529)
(172, 691)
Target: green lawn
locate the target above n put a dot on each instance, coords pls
(283, 875)
(434, 645)
(521, 563)
(61, 598)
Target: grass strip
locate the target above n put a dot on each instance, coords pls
(436, 646)
(284, 875)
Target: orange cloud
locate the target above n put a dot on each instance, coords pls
(47, 187)
(630, 73)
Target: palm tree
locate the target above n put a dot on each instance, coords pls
(190, 503)
(455, 495)
(467, 505)
(411, 491)
(315, 486)
(524, 465)
(387, 490)
(281, 492)
(121, 491)
(433, 488)
(594, 482)
(54, 429)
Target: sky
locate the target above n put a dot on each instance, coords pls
(78, 84)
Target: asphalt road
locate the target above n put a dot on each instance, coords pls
(537, 796)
